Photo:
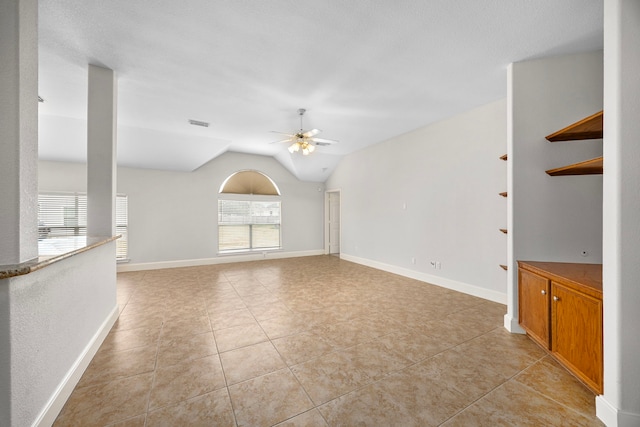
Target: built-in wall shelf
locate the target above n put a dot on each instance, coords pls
(504, 157)
(588, 167)
(587, 128)
(504, 267)
(504, 230)
(503, 194)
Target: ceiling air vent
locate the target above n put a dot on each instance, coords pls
(199, 123)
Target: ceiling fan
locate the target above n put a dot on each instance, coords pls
(304, 140)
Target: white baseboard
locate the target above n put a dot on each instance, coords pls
(51, 410)
(614, 417)
(512, 325)
(224, 259)
(466, 288)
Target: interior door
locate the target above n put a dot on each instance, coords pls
(334, 223)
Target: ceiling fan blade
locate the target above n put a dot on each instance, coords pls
(284, 133)
(321, 141)
(282, 140)
(310, 133)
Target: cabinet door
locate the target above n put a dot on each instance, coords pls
(533, 306)
(577, 333)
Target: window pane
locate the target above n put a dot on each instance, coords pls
(122, 220)
(233, 237)
(62, 223)
(265, 236)
(234, 212)
(247, 225)
(265, 212)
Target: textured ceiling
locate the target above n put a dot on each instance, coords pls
(365, 71)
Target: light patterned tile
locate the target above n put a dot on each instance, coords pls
(283, 326)
(515, 404)
(148, 320)
(375, 359)
(112, 365)
(107, 403)
(368, 347)
(369, 406)
(269, 399)
(249, 362)
(301, 347)
(430, 401)
(172, 351)
(549, 378)
(461, 371)
(118, 340)
(228, 319)
(239, 336)
(330, 376)
(138, 421)
(211, 409)
(270, 310)
(180, 382)
(413, 345)
(310, 418)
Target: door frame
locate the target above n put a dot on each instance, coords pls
(326, 219)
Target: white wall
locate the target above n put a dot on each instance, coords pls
(620, 404)
(53, 321)
(552, 218)
(173, 215)
(18, 130)
(448, 175)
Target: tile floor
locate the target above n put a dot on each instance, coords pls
(315, 341)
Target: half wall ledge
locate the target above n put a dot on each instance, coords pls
(91, 242)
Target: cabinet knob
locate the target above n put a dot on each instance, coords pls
(556, 298)
(543, 292)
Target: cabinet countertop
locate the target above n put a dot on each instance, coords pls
(587, 276)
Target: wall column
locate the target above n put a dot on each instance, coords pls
(620, 404)
(18, 131)
(101, 152)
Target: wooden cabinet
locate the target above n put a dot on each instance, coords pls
(533, 309)
(560, 308)
(577, 333)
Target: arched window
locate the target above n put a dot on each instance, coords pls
(248, 213)
(249, 182)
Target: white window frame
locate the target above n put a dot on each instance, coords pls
(248, 198)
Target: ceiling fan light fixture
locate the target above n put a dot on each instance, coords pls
(304, 140)
(307, 147)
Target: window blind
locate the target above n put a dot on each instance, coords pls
(248, 225)
(62, 223)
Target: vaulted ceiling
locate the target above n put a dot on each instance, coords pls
(366, 71)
